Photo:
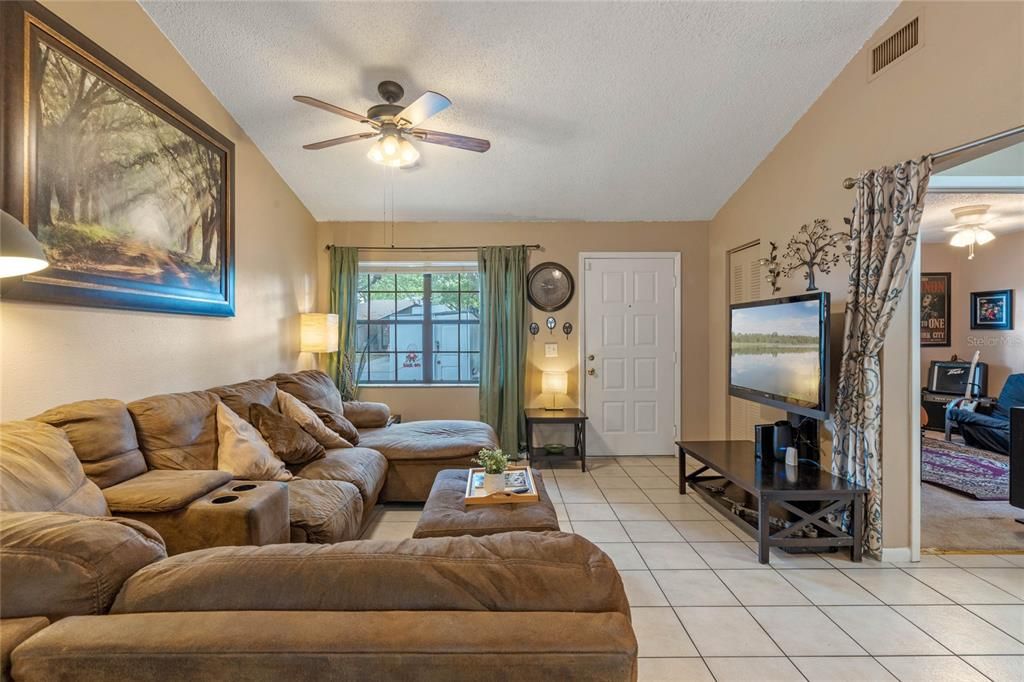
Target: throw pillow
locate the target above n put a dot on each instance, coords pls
(242, 452)
(289, 442)
(319, 393)
(296, 410)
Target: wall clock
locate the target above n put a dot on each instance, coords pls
(549, 287)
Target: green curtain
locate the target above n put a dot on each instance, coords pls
(344, 300)
(503, 342)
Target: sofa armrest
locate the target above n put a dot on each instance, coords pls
(57, 565)
(960, 416)
(364, 415)
(506, 572)
(14, 631)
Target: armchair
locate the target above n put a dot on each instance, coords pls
(989, 431)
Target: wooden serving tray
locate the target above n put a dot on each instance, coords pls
(478, 496)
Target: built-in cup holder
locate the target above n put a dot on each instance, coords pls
(224, 499)
(246, 486)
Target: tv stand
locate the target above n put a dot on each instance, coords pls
(779, 506)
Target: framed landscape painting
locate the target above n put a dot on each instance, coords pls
(129, 193)
(935, 303)
(992, 309)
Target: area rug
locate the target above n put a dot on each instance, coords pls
(980, 474)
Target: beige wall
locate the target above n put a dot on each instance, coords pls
(53, 354)
(562, 242)
(963, 84)
(999, 265)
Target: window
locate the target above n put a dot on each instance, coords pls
(418, 328)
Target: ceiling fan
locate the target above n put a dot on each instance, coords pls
(968, 227)
(392, 124)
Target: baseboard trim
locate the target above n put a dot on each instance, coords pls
(896, 554)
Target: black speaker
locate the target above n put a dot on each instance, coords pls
(783, 438)
(1017, 457)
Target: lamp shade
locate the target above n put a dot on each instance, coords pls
(555, 382)
(20, 253)
(319, 333)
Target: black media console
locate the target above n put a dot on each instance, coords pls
(779, 506)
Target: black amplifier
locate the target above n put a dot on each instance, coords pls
(952, 377)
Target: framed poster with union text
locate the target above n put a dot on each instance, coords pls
(935, 299)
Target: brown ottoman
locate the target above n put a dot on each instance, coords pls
(446, 513)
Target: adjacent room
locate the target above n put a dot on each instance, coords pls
(972, 352)
(432, 340)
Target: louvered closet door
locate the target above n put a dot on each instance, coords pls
(744, 286)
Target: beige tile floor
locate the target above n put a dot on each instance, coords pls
(704, 609)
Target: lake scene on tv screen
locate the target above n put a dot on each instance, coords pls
(775, 350)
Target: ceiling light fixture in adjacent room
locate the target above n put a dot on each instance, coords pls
(968, 229)
(20, 253)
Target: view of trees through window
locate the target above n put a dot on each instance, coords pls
(419, 328)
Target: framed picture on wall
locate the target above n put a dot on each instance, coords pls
(992, 309)
(130, 194)
(935, 304)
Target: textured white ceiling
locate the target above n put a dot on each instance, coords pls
(596, 111)
(1005, 215)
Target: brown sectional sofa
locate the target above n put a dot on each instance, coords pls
(155, 460)
(87, 596)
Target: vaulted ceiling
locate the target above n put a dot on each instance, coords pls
(596, 111)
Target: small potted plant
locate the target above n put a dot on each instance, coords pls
(494, 463)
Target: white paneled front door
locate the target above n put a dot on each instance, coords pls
(630, 353)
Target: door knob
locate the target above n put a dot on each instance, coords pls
(590, 357)
(591, 372)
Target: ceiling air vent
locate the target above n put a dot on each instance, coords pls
(895, 46)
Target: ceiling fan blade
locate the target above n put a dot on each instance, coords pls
(338, 140)
(320, 104)
(472, 144)
(428, 104)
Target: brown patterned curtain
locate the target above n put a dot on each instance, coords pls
(883, 240)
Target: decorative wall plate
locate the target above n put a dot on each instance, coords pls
(549, 287)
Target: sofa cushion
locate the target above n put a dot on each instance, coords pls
(14, 631)
(286, 439)
(239, 397)
(39, 472)
(162, 491)
(324, 511)
(177, 430)
(548, 571)
(267, 646)
(103, 436)
(242, 452)
(432, 439)
(319, 393)
(363, 468)
(301, 414)
(365, 415)
(58, 565)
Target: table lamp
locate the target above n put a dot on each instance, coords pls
(318, 333)
(20, 253)
(555, 383)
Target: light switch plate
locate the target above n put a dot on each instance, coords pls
(551, 350)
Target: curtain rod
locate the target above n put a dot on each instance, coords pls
(850, 183)
(531, 247)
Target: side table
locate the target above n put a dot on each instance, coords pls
(577, 418)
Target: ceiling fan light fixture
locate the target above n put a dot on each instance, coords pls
(982, 236)
(963, 238)
(408, 153)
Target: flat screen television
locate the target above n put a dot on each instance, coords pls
(778, 353)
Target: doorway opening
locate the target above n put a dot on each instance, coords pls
(971, 350)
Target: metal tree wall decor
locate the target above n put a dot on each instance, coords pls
(772, 268)
(812, 247)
